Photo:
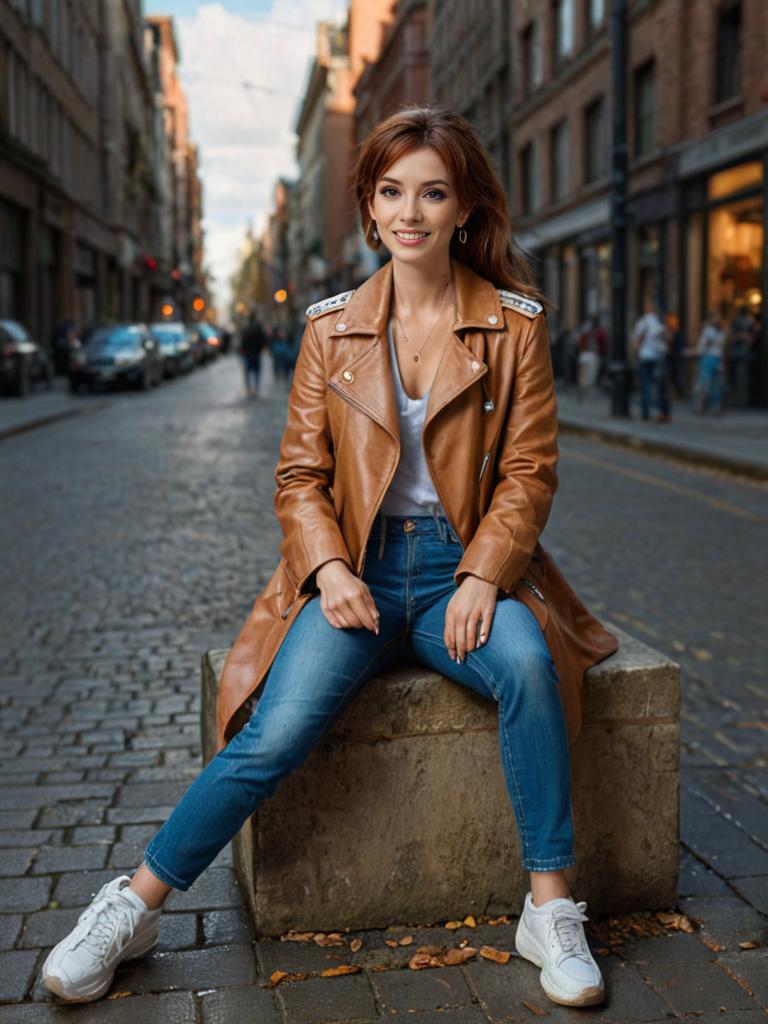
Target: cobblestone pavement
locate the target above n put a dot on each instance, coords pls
(135, 538)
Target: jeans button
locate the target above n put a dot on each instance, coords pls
(409, 526)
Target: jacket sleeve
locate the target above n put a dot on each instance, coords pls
(526, 473)
(304, 472)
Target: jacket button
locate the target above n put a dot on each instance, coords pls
(348, 376)
(341, 327)
(475, 365)
(493, 319)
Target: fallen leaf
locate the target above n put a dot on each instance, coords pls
(421, 960)
(470, 922)
(355, 944)
(498, 955)
(119, 995)
(331, 972)
(498, 920)
(458, 956)
(331, 939)
(276, 977)
(391, 943)
(749, 945)
(535, 1009)
(679, 922)
(431, 950)
(453, 924)
(297, 937)
(406, 940)
(716, 947)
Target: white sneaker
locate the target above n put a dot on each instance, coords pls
(552, 937)
(113, 927)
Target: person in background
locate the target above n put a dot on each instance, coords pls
(741, 353)
(591, 347)
(280, 350)
(649, 343)
(711, 350)
(675, 353)
(252, 341)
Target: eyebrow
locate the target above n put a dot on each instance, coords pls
(434, 181)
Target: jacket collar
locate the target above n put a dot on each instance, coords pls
(477, 303)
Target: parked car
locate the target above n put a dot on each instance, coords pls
(175, 346)
(22, 361)
(210, 343)
(118, 354)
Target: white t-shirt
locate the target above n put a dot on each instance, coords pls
(650, 328)
(411, 492)
(711, 341)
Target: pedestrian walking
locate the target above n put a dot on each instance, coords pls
(708, 392)
(650, 343)
(252, 341)
(741, 355)
(394, 548)
(591, 355)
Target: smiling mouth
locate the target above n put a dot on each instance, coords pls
(408, 235)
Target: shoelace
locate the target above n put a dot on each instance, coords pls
(103, 917)
(565, 928)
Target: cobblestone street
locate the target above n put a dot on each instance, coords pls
(135, 537)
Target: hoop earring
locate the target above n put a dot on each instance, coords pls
(463, 232)
(375, 234)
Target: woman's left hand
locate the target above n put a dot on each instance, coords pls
(468, 616)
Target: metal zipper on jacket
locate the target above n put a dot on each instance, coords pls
(532, 587)
(486, 457)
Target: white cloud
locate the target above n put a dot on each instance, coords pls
(245, 135)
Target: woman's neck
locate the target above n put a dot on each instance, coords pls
(419, 291)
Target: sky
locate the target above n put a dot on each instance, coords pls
(243, 67)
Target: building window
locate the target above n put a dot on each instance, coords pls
(558, 161)
(532, 69)
(596, 141)
(595, 14)
(644, 110)
(563, 29)
(529, 198)
(728, 58)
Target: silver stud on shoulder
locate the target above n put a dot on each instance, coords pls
(326, 305)
(521, 303)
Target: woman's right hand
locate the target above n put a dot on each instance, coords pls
(345, 599)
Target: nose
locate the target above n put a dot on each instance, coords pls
(411, 210)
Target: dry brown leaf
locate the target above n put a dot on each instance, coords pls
(498, 955)
(431, 950)
(716, 947)
(458, 956)
(331, 972)
(679, 922)
(391, 943)
(453, 924)
(276, 977)
(749, 945)
(330, 939)
(297, 937)
(470, 922)
(119, 995)
(355, 944)
(534, 1009)
(498, 920)
(421, 960)
(406, 940)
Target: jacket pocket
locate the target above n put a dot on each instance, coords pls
(532, 597)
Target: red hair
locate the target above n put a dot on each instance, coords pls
(490, 249)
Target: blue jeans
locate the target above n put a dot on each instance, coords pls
(653, 386)
(319, 669)
(710, 383)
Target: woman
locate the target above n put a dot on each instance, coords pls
(708, 393)
(396, 544)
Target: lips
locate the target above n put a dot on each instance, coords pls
(409, 236)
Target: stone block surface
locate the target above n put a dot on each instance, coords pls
(401, 813)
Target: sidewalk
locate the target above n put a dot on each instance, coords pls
(737, 440)
(41, 407)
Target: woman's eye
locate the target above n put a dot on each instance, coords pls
(433, 191)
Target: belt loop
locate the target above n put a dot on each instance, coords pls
(383, 533)
(440, 526)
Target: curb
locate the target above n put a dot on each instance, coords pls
(674, 449)
(54, 417)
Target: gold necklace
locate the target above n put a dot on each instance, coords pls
(405, 336)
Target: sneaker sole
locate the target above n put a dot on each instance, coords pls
(55, 985)
(528, 948)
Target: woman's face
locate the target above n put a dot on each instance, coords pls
(416, 195)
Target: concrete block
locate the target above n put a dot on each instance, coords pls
(401, 814)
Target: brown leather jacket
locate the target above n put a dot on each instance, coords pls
(490, 437)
